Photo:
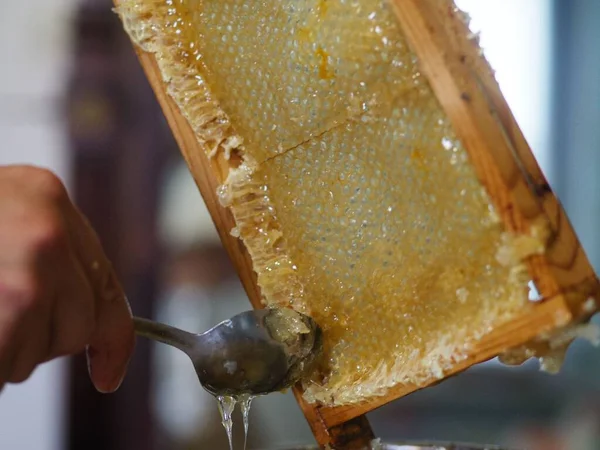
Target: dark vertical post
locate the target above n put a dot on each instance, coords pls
(120, 146)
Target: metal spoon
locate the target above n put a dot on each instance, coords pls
(255, 352)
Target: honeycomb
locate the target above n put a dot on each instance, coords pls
(354, 197)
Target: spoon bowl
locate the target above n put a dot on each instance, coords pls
(253, 353)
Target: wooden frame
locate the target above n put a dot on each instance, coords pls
(466, 89)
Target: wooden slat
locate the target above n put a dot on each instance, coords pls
(208, 174)
(543, 317)
(503, 162)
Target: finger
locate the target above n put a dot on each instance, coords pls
(31, 343)
(29, 234)
(32, 239)
(15, 297)
(46, 251)
(34, 282)
(73, 316)
(8, 349)
(113, 340)
(7, 362)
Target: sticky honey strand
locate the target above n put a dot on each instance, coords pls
(355, 199)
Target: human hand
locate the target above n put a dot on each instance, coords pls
(58, 292)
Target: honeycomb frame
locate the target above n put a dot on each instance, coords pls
(466, 89)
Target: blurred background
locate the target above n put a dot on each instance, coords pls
(73, 99)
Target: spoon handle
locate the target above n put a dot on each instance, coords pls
(166, 334)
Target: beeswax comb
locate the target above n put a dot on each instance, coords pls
(362, 166)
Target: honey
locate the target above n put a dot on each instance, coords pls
(354, 197)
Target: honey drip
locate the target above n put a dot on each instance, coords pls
(226, 407)
(245, 403)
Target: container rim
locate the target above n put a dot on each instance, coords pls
(410, 445)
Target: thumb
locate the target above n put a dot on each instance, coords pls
(112, 342)
(113, 339)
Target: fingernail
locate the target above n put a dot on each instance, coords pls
(116, 385)
(101, 382)
(91, 355)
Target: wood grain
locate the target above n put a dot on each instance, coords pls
(503, 162)
(543, 317)
(208, 175)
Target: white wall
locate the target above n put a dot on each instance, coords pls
(516, 39)
(34, 36)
